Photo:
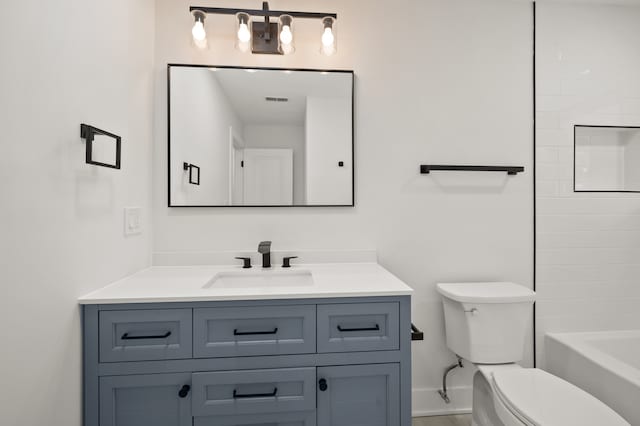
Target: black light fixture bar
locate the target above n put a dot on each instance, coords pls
(262, 12)
(510, 170)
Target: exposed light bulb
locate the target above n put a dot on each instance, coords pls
(198, 32)
(244, 35)
(328, 40)
(327, 37)
(286, 36)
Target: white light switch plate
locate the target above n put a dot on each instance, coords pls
(132, 220)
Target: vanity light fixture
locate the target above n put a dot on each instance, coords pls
(243, 31)
(328, 40)
(286, 34)
(262, 35)
(198, 32)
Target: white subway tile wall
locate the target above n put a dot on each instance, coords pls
(587, 244)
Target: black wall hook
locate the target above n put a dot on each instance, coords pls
(88, 133)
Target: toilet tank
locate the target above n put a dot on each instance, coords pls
(486, 323)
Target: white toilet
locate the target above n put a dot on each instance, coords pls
(486, 324)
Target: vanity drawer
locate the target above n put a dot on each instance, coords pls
(250, 331)
(303, 418)
(233, 393)
(144, 335)
(351, 327)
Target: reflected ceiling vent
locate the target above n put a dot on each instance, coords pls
(274, 99)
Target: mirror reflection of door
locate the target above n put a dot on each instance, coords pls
(236, 163)
(268, 177)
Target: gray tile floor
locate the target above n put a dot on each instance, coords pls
(457, 420)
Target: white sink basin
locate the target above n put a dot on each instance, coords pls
(256, 279)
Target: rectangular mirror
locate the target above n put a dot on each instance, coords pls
(260, 137)
(606, 159)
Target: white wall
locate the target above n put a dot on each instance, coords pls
(588, 250)
(442, 81)
(65, 63)
(281, 136)
(328, 136)
(201, 115)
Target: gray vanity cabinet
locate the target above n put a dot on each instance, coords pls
(359, 395)
(307, 362)
(140, 400)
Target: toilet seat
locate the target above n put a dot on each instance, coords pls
(537, 398)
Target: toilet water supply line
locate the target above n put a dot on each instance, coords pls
(443, 391)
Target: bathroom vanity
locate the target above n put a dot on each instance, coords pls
(325, 345)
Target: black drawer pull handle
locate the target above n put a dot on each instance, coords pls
(126, 336)
(376, 328)
(252, 333)
(184, 391)
(236, 395)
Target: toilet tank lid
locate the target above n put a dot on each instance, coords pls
(486, 292)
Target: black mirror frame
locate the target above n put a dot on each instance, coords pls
(353, 157)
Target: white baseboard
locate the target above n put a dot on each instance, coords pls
(427, 401)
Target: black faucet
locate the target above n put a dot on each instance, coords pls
(264, 248)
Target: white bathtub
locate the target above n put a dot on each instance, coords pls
(605, 364)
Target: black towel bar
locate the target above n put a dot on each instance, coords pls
(510, 170)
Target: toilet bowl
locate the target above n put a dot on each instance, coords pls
(486, 324)
(532, 397)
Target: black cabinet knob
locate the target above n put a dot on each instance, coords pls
(286, 261)
(184, 391)
(246, 262)
(322, 384)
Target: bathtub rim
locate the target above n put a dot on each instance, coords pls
(579, 343)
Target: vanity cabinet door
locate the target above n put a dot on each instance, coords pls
(359, 395)
(146, 400)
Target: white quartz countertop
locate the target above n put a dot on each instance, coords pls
(194, 284)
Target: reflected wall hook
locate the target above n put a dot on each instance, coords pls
(194, 178)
